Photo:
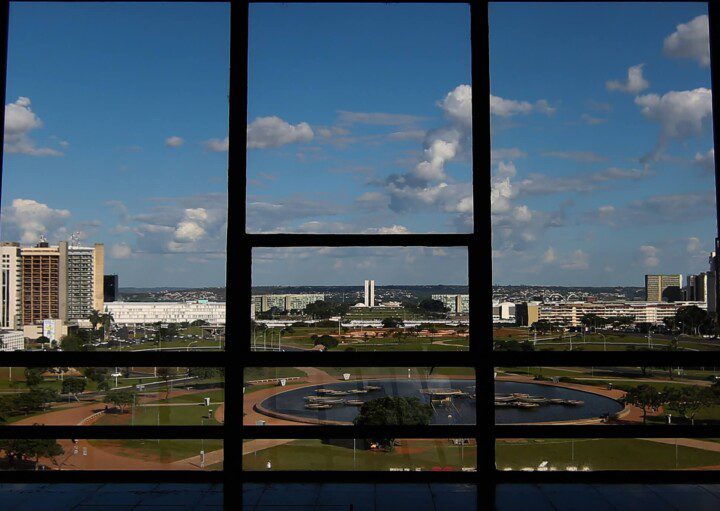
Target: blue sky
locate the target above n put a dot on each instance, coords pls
(350, 266)
(359, 118)
(116, 119)
(602, 138)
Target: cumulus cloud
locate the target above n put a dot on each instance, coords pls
(393, 229)
(217, 145)
(680, 115)
(549, 256)
(634, 83)
(20, 120)
(649, 255)
(25, 220)
(690, 40)
(693, 244)
(272, 131)
(706, 161)
(120, 251)
(509, 107)
(501, 189)
(174, 141)
(509, 153)
(578, 260)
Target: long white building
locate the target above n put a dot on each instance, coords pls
(12, 340)
(136, 313)
(457, 304)
(571, 313)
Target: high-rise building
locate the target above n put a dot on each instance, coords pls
(110, 288)
(263, 303)
(697, 287)
(44, 284)
(714, 279)
(85, 281)
(10, 285)
(61, 282)
(659, 288)
(369, 293)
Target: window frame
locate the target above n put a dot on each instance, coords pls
(481, 355)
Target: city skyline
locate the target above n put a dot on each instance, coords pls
(602, 142)
(114, 124)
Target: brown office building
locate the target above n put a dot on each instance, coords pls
(44, 288)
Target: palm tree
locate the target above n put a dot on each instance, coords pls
(107, 321)
(95, 318)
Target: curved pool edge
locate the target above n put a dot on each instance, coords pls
(588, 389)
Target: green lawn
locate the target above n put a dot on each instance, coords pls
(600, 454)
(165, 451)
(264, 373)
(370, 372)
(314, 455)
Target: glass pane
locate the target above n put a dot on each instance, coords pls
(359, 395)
(114, 206)
(82, 454)
(379, 454)
(603, 184)
(587, 454)
(607, 395)
(360, 299)
(359, 118)
(112, 396)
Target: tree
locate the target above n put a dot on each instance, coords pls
(165, 374)
(393, 411)
(690, 318)
(43, 340)
(33, 449)
(199, 322)
(204, 373)
(33, 376)
(120, 398)
(672, 294)
(72, 342)
(690, 399)
(95, 318)
(328, 341)
(592, 320)
(392, 323)
(107, 320)
(644, 397)
(433, 306)
(74, 386)
(543, 326)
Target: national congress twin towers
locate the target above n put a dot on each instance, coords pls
(369, 293)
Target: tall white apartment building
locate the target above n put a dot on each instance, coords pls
(369, 293)
(10, 286)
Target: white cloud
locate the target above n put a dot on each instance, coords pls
(217, 145)
(25, 220)
(501, 188)
(522, 214)
(691, 41)
(174, 141)
(20, 120)
(457, 105)
(549, 256)
(393, 229)
(272, 131)
(509, 153)
(578, 260)
(649, 255)
(707, 160)
(120, 251)
(680, 114)
(693, 244)
(634, 83)
(509, 107)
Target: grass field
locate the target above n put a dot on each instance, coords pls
(264, 373)
(300, 337)
(183, 415)
(370, 372)
(601, 454)
(314, 455)
(163, 451)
